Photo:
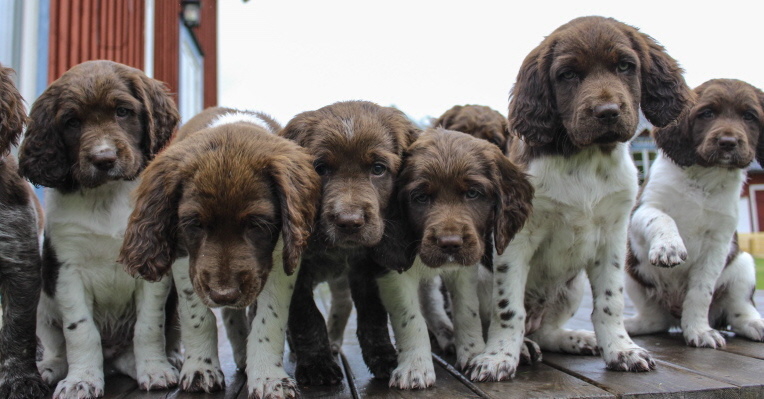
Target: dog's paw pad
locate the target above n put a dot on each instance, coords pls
(632, 359)
(206, 379)
(75, 388)
(417, 374)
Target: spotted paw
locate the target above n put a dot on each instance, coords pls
(530, 352)
(273, 388)
(318, 372)
(668, 253)
(416, 373)
(207, 379)
(492, 367)
(631, 359)
(580, 342)
(704, 338)
(23, 386)
(154, 374)
(52, 370)
(79, 388)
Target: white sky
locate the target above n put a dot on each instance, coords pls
(424, 56)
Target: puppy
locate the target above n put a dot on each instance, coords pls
(684, 266)
(90, 134)
(241, 202)
(477, 120)
(358, 147)
(457, 195)
(21, 223)
(574, 107)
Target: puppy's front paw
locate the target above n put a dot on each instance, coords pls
(381, 361)
(273, 388)
(79, 388)
(668, 253)
(196, 377)
(494, 366)
(415, 373)
(52, 370)
(23, 386)
(704, 338)
(631, 359)
(530, 353)
(318, 371)
(157, 374)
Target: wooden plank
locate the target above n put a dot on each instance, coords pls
(664, 382)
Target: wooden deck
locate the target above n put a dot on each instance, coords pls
(733, 372)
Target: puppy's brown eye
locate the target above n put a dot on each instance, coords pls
(378, 169)
(624, 66)
(321, 169)
(568, 75)
(749, 116)
(72, 123)
(122, 112)
(472, 193)
(706, 114)
(420, 198)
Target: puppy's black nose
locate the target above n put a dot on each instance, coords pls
(607, 113)
(349, 221)
(727, 143)
(225, 296)
(104, 159)
(450, 243)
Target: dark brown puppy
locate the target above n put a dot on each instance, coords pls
(358, 147)
(477, 120)
(241, 201)
(20, 280)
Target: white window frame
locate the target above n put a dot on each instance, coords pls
(191, 76)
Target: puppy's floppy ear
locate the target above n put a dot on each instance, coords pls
(664, 91)
(42, 155)
(299, 190)
(161, 114)
(760, 144)
(12, 113)
(515, 200)
(397, 249)
(151, 238)
(532, 111)
(675, 140)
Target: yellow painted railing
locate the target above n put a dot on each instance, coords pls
(752, 243)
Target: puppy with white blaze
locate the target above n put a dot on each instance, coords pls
(457, 196)
(684, 266)
(90, 135)
(573, 109)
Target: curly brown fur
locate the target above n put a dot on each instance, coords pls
(477, 120)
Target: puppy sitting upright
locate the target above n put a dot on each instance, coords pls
(21, 222)
(358, 147)
(241, 202)
(574, 107)
(458, 195)
(91, 133)
(685, 267)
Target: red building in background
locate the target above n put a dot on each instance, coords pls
(172, 41)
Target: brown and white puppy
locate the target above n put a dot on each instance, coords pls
(574, 107)
(685, 268)
(358, 146)
(90, 134)
(478, 120)
(458, 196)
(21, 223)
(241, 202)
